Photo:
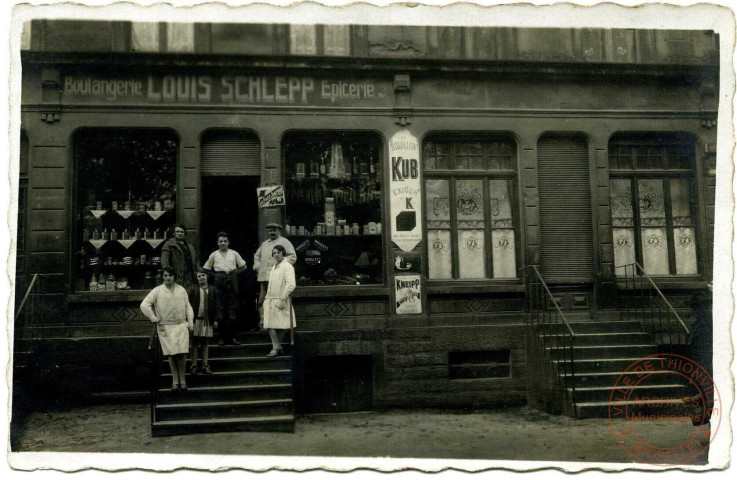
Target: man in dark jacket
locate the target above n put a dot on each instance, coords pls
(179, 254)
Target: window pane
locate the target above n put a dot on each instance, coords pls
(624, 248)
(437, 200)
(652, 206)
(621, 195)
(502, 234)
(471, 254)
(439, 254)
(685, 247)
(469, 202)
(333, 190)
(680, 202)
(655, 251)
(126, 206)
(503, 253)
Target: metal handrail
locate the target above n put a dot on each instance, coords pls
(564, 341)
(28, 293)
(638, 270)
(154, 353)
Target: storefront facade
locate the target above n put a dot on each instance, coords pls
(422, 168)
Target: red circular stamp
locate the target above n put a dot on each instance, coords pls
(665, 410)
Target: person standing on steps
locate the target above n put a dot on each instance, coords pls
(168, 307)
(278, 312)
(226, 264)
(263, 262)
(205, 310)
(180, 255)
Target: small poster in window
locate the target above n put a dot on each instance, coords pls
(407, 294)
(272, 196)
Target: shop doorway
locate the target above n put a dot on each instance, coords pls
(567, 259)
(229, 204)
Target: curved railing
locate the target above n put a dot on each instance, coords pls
(546, 321)
(649, 306)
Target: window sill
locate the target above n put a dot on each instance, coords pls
(436, 288)
(112, 296)
(326, 291)
(668, 283)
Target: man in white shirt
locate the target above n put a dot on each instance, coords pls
(263, 262)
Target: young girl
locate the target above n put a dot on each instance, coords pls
(226, 264)
(205, 311)
(168, 307)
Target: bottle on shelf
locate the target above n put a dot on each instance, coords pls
(93, 283)
(111, 283)
(113, 235)
(85, 235)
(159, 277)
(101, 283)
(138, 234)
(105, 234)
(145, 234)
(355, 168)
(330, 212)
(323, 167)
(126, 235)
(148, 280)
(98, 205)
(115, 205)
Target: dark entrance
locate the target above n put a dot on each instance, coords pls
(566, 226)
(229, 204)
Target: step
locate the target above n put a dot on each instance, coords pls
(603, 394)
(230, 364)
(609, 379)
(594, 326)
(220, 410)
(615, 338)
(225, 394)
(604, 351)
(601, 409)
(282, 423)
(236, 377)
(243, 350)
(602, 365)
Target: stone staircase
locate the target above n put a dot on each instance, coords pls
(246, 392)
(603, 351)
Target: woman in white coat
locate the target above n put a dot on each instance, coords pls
(168, 307)
(278, 312)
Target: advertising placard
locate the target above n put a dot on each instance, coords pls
(405, 201)
(271, 196)
(407, 294)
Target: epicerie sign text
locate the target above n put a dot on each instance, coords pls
(239, 89)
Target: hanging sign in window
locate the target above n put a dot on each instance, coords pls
(407, 294)
(404, 192)
(272, 196)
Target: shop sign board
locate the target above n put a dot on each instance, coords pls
(271, 196)
(407, 292)
(405, 203)
(227, 90)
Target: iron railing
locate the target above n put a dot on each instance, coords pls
(647, 304)
(156, 358)
(545, 321)
(32, 313)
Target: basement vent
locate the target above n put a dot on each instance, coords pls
(480, 364)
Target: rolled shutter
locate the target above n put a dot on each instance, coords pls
(231, 154)
(566, 236)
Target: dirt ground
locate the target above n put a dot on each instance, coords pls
(511, 434)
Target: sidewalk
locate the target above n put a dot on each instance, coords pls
(510, 434)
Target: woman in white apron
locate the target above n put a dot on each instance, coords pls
(278, 312)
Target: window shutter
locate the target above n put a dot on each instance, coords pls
(231, 154)
(567, 243)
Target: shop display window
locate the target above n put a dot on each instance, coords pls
(653, 203)
(125, 204)
(470, 208)
(333, 212)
